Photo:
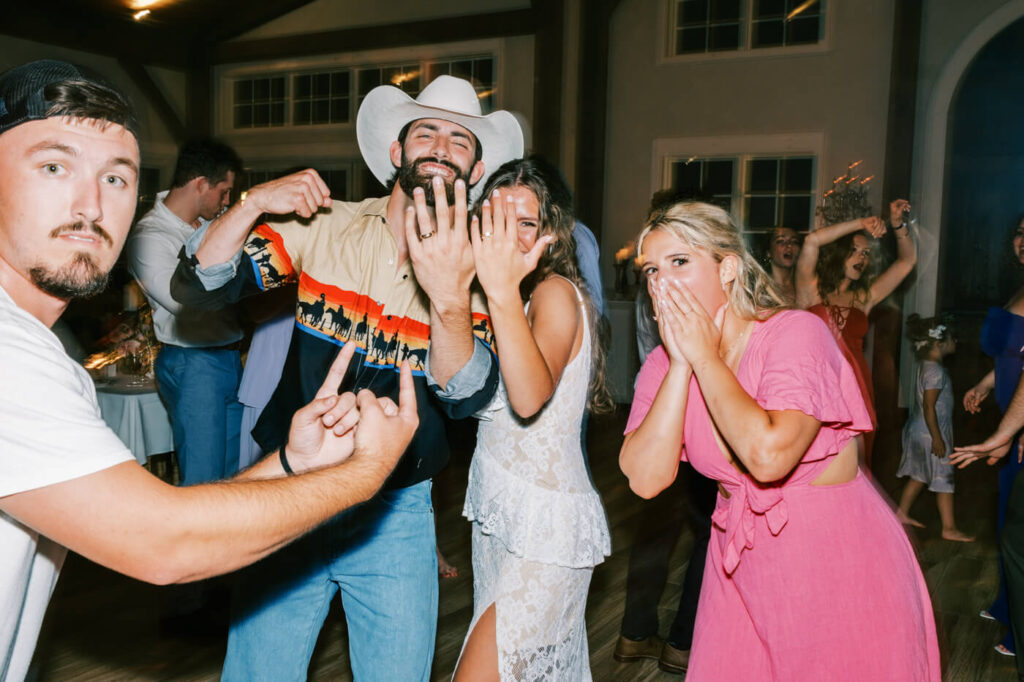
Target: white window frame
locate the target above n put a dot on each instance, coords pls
(225, 75)
(666, 46)
(742, 148)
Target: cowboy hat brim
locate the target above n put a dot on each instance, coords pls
(386, 110)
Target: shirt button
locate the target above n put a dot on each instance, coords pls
(405, 276)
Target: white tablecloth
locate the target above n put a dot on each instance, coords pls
(135, 413)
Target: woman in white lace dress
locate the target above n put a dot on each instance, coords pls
(538, 524)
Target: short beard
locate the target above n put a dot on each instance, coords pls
(409, 178)
(81, 278)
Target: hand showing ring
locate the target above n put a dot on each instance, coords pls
(426, 235)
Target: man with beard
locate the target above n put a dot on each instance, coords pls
(69, 164)
(356, 282)
(199, 367)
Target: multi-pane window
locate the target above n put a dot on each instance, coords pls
(707, 25)
(762, 192)
(779, 192)
(785, 22)
(336, 179)
(479, 71)
(711, 179)
(703, 26)
(333, 96)
(405, 77)
(321, 98)
(259, 102)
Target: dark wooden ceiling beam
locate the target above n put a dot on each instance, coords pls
(430, 31)
(140, 76)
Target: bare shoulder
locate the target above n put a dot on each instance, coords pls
(555, 296)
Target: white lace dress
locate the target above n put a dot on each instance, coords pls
(538, 530)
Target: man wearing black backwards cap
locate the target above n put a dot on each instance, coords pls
(69, 164)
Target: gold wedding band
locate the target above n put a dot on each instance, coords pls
(428, 235)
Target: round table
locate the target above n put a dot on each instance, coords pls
(132, 408)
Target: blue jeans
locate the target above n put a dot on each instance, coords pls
(200, 389)
(380, 556)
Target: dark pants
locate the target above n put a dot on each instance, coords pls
(658, 526)
(1012, 545)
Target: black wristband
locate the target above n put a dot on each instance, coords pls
(284, 462)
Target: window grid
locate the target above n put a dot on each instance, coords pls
(336, 179)
(707, 26)
(319, 98)
(260, 102)
(761, 191)
(477, 70)
(405, 77)
(773, 26)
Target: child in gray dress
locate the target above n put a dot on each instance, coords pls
(928, 434)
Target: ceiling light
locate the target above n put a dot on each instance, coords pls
(140, 15)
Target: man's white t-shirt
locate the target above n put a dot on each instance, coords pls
(51, 431)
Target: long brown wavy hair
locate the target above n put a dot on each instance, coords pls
(831, 267)
(541, 177)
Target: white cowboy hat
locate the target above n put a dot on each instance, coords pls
(386, 109)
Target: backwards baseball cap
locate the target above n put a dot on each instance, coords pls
(26, 95)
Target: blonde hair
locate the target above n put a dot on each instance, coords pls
(753, 294)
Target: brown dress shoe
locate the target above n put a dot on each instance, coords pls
(673, 660)
(627, 651)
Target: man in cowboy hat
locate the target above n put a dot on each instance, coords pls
(356, 281)
(69, 164)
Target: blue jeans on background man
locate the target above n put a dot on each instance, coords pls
(200, 388)
(380, 556)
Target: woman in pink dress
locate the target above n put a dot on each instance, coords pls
(839, 287)
(809, 575)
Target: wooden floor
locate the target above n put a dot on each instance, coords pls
(102, 626)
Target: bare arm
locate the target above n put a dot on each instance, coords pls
(302, 193)
(906, 257)
(807, 261)
(533, 349)
(998, 444)
(126, 519)
(768, 443)
(931, 420)
(650, 454)
(977, 394)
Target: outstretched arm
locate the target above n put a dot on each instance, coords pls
(998, 444)
(977, 394)
(130, 521)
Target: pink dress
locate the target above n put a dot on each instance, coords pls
(801, 582)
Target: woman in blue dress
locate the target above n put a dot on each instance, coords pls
(1002, 338)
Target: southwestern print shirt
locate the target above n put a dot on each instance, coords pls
(350, 287)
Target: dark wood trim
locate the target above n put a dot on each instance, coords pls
(595, 29)
(899, 143)
(199, 98)
(427, 32)
(140, 76)
(548, 67)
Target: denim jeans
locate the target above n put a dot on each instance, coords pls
(380, 556)
(200, 389)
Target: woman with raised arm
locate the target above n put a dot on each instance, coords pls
(834, 281)
(809, 575)
(538, 524)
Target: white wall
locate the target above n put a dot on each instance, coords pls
(157, 145)
(835, 93)
(328, 15)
